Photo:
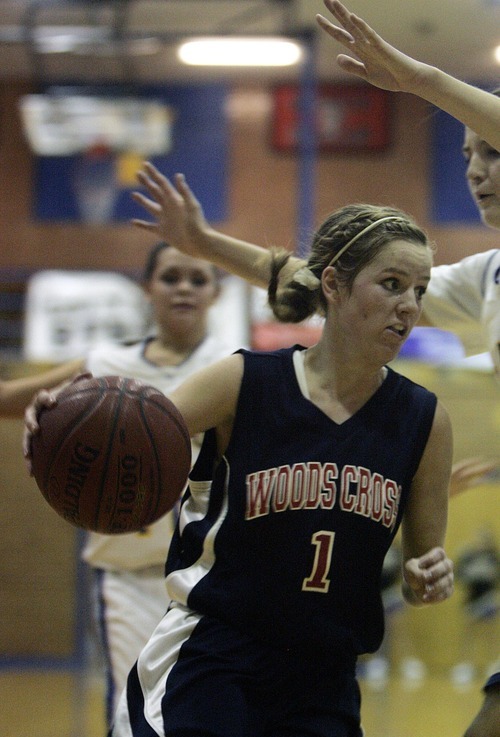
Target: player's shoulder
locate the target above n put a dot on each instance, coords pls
(493, 265)
(109, 356)
(479, 263)
(279, 354)
(471, 278)
(215, 347)
(272, 363)
(486, 261)
(401, 384)
(489, 267)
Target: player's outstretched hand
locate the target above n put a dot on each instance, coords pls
(430, 577)
(177, 215)
(377, 61)
(470, 472)
(44, 399)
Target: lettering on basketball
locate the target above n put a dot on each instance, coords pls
(131, 493)
(314, 485)
(82, 458)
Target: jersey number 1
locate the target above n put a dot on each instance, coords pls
(318, 580)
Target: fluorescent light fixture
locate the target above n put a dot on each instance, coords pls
(65, 39)
(497, 54)
(242, 51)
(93, 40)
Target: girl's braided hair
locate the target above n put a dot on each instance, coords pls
(295, 294)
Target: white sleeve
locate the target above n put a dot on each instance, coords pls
(456, 295)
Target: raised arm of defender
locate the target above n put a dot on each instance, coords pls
(384, 66)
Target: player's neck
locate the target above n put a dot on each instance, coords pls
(171, 352)
(339, 390)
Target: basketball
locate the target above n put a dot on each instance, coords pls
(112, 456)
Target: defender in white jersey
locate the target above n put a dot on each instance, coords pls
(464, 298)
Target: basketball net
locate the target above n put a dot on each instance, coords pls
(107, 137)
(95, 183)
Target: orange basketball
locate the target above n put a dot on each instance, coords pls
(112, 456)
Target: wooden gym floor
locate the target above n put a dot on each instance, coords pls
(49, 704)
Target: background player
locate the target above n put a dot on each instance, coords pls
(130, 569)
(130, 595)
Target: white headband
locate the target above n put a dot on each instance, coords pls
(362, 232)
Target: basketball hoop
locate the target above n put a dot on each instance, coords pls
(108, 138)
(95, 183)
(67, 124)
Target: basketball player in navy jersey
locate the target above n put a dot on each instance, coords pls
(311, 462)
(384, 66)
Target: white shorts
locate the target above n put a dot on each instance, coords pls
(130, 604)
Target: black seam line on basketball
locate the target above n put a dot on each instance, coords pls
(153, 445)
(121, 393)
(76, 422)
(180, 425)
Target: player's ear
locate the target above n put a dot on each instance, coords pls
(330, 284)
(146, 289)
(217, 290)
(218, 277)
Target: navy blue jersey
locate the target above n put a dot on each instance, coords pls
(493, 680)
(285, 537)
